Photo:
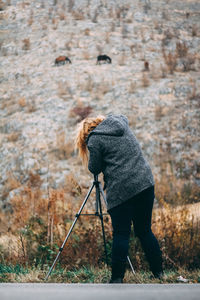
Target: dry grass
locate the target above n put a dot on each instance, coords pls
(194, 95)
(104, 87)
(71, 5)
(132, 87)
(13, 137)
(170, 61)
(195, 30)
(95, 16)
(132, 48)
(86, 55)
(181, 49)
(31, 106)
(188, 63)
(54, 23)
(31, 19)
(64, 90)
(158, 113)
(78, 15)
(87, 32)
(64, 149)
(163, 71)
(26, 44)
(107, 37)
(88, 85)
(90, 274)
(22, 102)
(39, 223)
(11, 183)
(80, 112)
(145, 80)
(122, 60)
(62, 15)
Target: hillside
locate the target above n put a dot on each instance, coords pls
(41, 103)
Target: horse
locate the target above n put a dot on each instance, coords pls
(146, 66)
(105, 58)
(62, 60)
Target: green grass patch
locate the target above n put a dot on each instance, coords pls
(90, 274)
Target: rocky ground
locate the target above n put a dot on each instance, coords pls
(41, 103)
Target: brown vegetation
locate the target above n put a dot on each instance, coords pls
(170, 60)
(80, 112)
(26, 44)
(64, 148)
(39, 223)
(145, 80)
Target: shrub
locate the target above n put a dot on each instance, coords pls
(64, 149)
(80, 111)
(181, 49)
(145, 80)
(194, 30)
(178, 235)
(26, 44)
(171, 61)
(188, 63)
(38, 225)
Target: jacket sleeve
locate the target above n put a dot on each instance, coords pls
(95, 160)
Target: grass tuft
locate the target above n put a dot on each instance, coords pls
(90, 274)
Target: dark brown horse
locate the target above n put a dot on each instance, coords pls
(62, 60)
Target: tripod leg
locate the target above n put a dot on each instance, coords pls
(71, 228)
(102, 193)
(129, 261)
(103, 232)
(98, 205)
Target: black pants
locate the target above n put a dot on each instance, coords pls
(138, 211)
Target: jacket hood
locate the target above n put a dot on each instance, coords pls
(113, 125)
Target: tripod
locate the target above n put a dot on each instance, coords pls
(98, 213)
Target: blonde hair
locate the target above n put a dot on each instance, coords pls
(83, 130)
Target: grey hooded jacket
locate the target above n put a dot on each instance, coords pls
(115, 151)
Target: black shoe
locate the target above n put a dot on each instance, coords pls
(118, 271)
(159, 275)
(117, 280)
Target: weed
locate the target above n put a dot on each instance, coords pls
(95, 16)
(170, 60)
(89, 274)
(194, 30)
(62, 15)
(188, 63)
(181, 49)
(122, 60)
(87, 32)
(13, 137)
(22, 102)
(80, 111)
(64, 149)
(86, 55)
(71, 5)
(31, 106)
(26, 44)
(145, 80)
(31, 18)
(132, 87)
(64, 90)
(78, 15)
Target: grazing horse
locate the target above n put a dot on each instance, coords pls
(146, 66)
(105, 58)
(62, 60)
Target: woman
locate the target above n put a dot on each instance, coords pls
(115, 151)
